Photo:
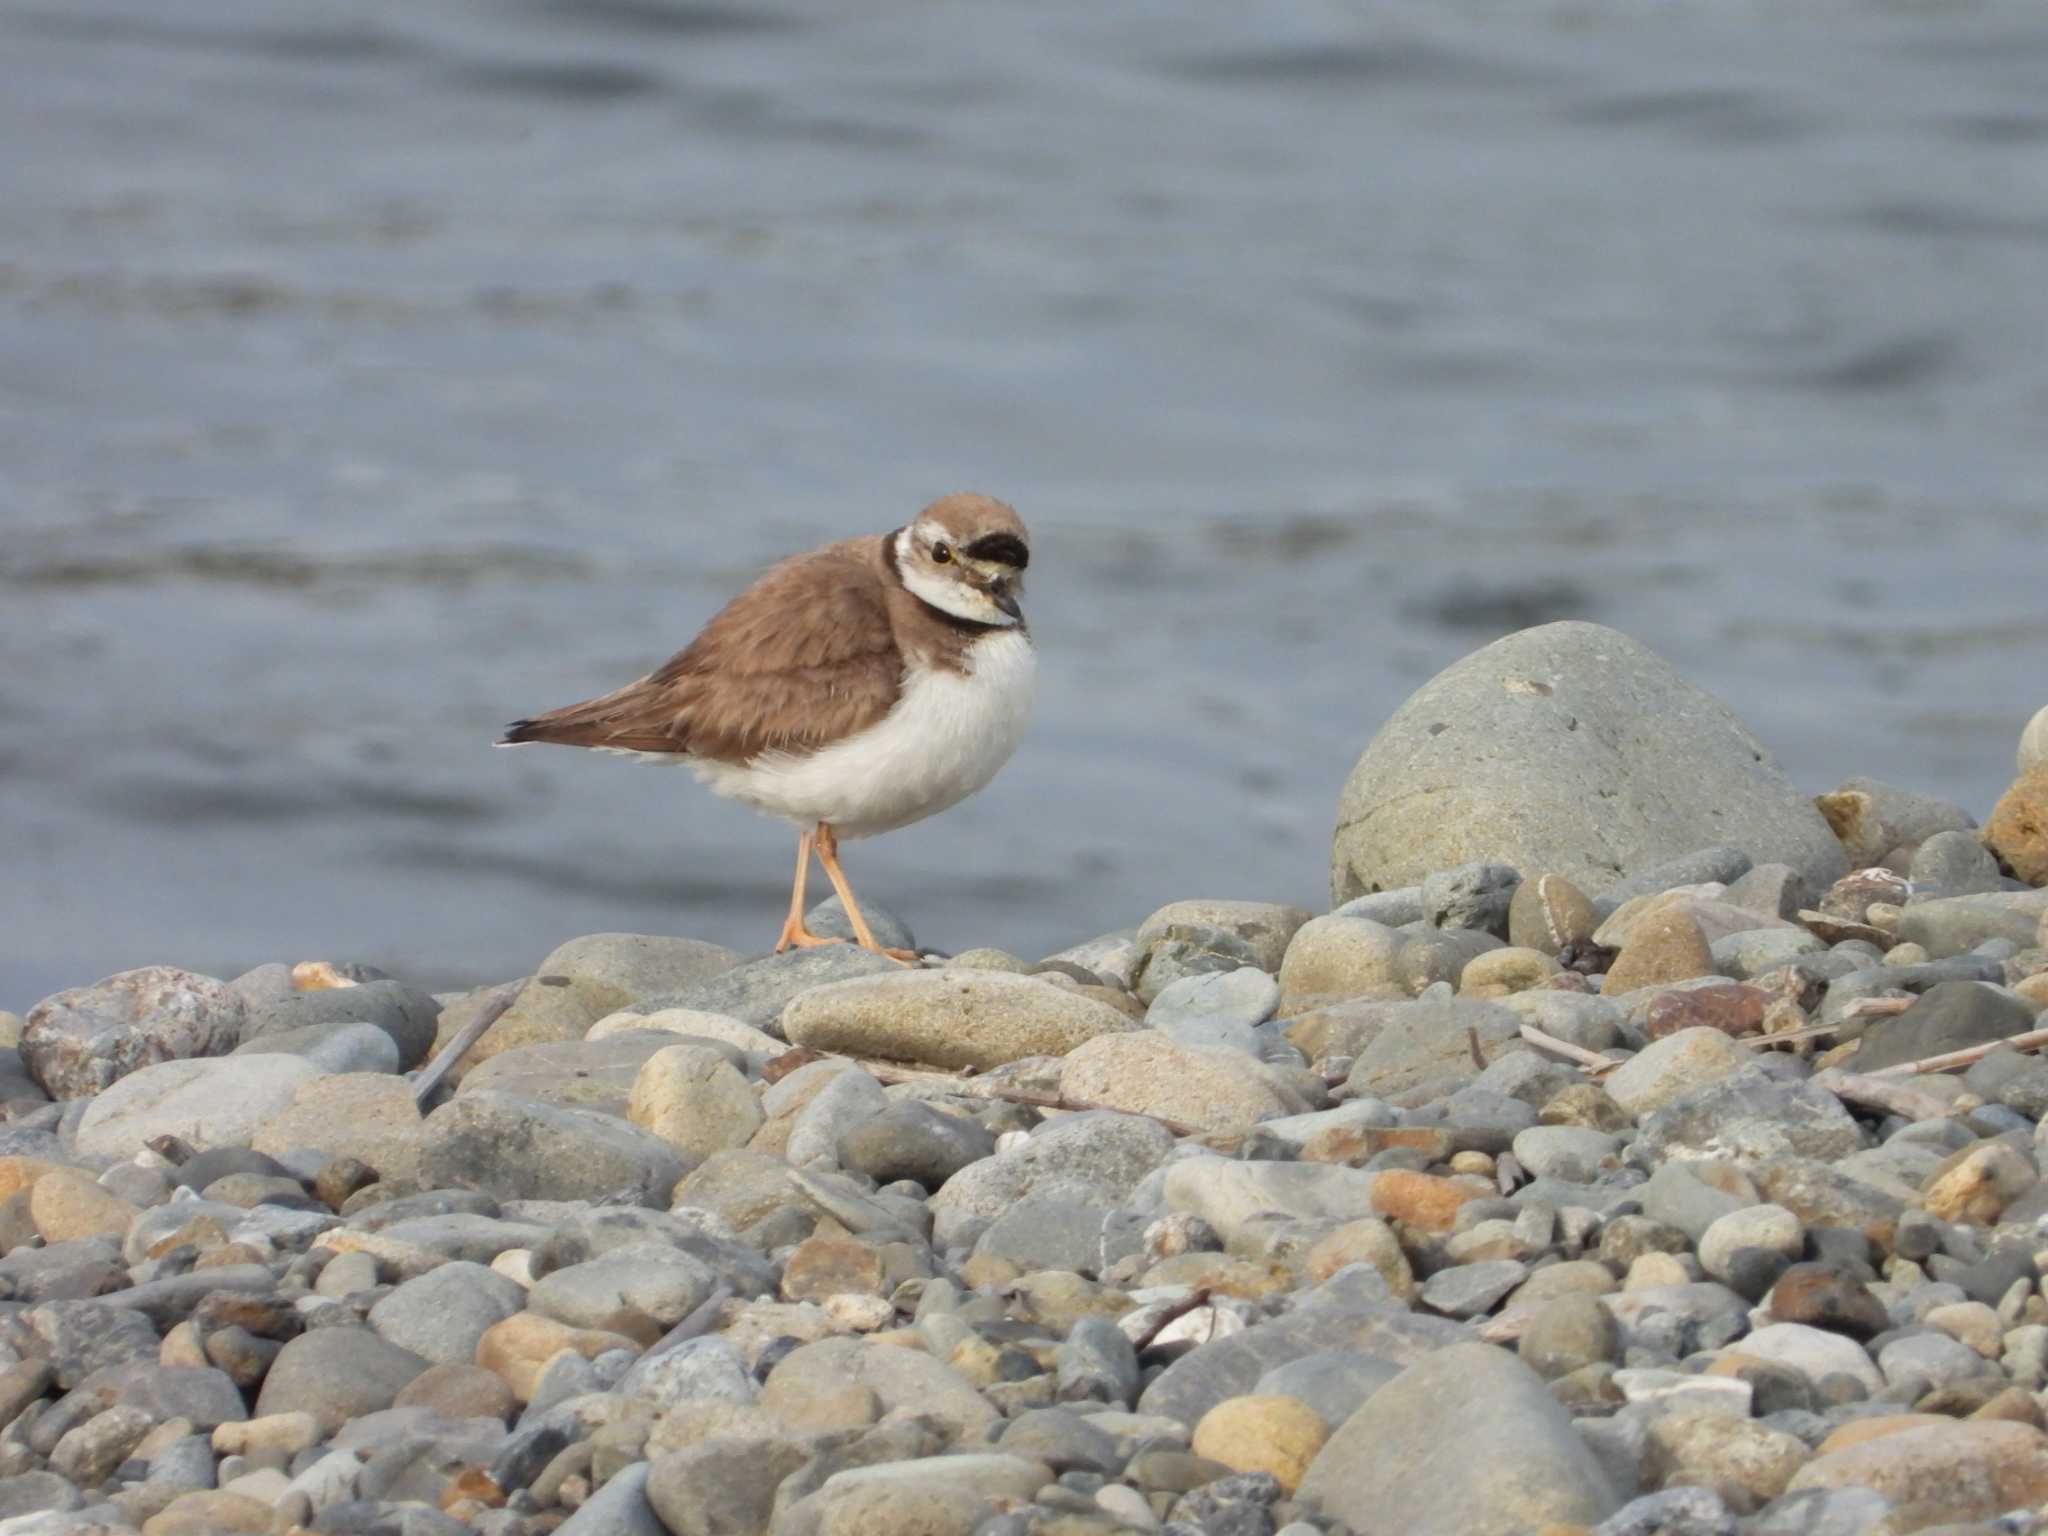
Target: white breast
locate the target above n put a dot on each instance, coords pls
(946, 737)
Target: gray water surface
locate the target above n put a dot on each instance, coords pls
(373, 374)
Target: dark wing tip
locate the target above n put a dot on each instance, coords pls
(516, 732)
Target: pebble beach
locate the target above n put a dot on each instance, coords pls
(1638, 1144)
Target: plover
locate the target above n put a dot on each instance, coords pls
(851, 690)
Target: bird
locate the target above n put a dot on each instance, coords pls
(850, 690)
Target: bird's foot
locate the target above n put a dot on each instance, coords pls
(795, 936)
(900, 956)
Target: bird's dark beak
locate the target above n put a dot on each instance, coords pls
(999, 591)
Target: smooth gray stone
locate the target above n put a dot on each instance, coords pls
(1231, 1366)
(200, 1393)
(654, 1285)
(186, 1462)
(848, 1101)
(1096, 1363)
(1953, 864)
(410, 1018)
(910, 1140)
(1471, 1290)
(1774, 890)
(1218, 1009)
(756, 991)
(1047, 1230)
(1671, 1512)
(1822, 1512)
(1751, 1117)
(1106, 1151)
(695, 1370)
(515, 1148)
(80, 1337)
(1423, 1042)
(1396, 909)
(587, 1234)
(704, 1490)
(337, 1374)
(1335, 1382)
(1063, 1439)
(340, 1046)
(1471, 896)
(576, 1074)
(1701, 866)
(30, 1493)
(171, 1300)
(73, 1271)
(441, 1314)
(828, 920)
(1466, 1442)
(1750, 954)
(1955, 925)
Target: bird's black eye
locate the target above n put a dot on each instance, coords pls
(942, 553)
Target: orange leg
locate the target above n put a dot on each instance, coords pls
(828, 855)
(794, 934)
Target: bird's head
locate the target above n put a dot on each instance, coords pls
(965, 555)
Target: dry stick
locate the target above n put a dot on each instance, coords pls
(1591, 1060)
(424, 1085)
(2031, 1040)
(974, 1088)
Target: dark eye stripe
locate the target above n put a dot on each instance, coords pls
(1003, 548)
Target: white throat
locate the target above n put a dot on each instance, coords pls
(953, 597)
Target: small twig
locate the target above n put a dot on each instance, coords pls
(1883, 1093)
(1478, 1056)
(1171, 1315)
(2031, 1040)
(1592, 1061)
(430, 1077)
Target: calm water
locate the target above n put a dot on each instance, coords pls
(371, 375)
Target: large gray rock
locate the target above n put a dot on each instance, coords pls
(948, 1018)
(619, 1508)
(522, 1149)
(1431, 1043)
(441, 1314)
(1750, 1118)
(78, 1042)
(408, 1017)
(899, 1378)
(337, 1374)
(578, 1074)
(209, 1103)
(1231, 1195)
(1105, 1152)
(640, 1290)
(1468, 1442)
(1949, 1016)
(1572, 749)
(1352, 1311)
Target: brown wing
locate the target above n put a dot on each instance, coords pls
(800, 658)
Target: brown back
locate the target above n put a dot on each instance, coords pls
(800, 658)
